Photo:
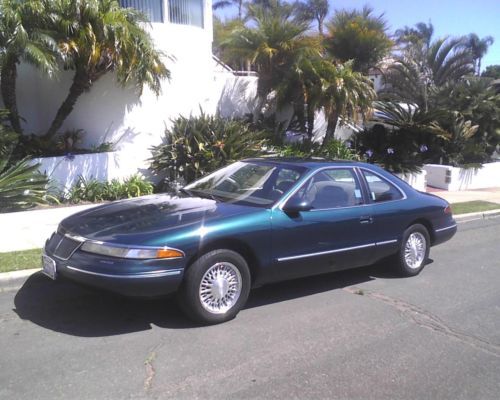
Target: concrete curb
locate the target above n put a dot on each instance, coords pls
(477, 215)
(15, 279)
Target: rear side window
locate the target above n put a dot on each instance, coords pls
(381, 189)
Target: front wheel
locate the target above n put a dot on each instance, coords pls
(414, 250)
(216, 287)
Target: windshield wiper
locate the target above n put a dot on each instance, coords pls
(205, 195)
(185, 191)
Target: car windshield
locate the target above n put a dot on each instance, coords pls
(259, 184)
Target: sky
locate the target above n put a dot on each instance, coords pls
(449, 17)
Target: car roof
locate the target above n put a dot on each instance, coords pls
(311, 163)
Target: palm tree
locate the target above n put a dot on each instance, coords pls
(274, 44)
(220, 4)
(22, 38)
(425, 68)
(491, 71)
(346, 94)
(420, 35)
(479, 48)
(222, 30)
(98, 37)
(410, 117)
(359, 36)
(313, 9)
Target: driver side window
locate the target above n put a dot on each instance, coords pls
(333, 188)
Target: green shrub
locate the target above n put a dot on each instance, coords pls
(338, 150)
(95, 191)
(396, 150)
(66, 143)
(195, 146)
(334, 150)
(135, 186)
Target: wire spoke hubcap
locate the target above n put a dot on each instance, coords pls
(414, 251)
(220, 288)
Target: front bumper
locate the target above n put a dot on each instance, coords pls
(137, 278)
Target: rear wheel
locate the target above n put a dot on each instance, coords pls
(414, 250)
(216, 287)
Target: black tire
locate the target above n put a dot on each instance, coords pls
(221, 261)
(408, 266)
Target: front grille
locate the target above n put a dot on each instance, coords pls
(61, 246)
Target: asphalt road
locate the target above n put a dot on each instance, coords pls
(356, 334)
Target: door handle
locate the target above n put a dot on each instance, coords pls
(365, 220)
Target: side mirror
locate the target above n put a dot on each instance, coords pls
(295, 205)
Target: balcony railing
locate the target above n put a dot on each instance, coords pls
(152, 8)
(184, 12)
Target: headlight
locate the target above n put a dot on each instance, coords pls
(141, 253)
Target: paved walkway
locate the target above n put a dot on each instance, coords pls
(492, 195)
(26, 230)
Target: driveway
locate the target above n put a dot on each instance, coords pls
(354, 334)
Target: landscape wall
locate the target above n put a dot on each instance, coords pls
(453, 179)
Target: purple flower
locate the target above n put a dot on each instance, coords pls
(423, 148)
(369, 153)
(390, 150)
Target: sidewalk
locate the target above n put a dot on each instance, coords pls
(491, 195)
(26, 230)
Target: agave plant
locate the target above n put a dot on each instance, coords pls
(21, 185)
(195, 146)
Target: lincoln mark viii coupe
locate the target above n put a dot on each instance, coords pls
(251, 223)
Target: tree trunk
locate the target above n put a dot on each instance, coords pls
(81, 83)
(320, 27)
(8, 76)
(333, 120)
(310, 121)
(258, 108)
(299, 111)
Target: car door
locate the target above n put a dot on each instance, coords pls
(390, 214)
(335, 233)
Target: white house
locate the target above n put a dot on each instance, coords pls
(182, 29)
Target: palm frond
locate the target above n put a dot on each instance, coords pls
(22, 186)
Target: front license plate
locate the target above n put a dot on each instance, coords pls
(49, 266)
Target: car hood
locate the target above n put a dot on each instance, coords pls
(142, 220)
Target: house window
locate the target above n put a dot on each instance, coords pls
(153, 9)
(186, 12)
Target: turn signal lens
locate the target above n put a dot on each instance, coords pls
(143, 253)
(447, 209)
(169, 253)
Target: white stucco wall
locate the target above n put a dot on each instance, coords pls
(120, 114)
(233, 96)
(65, 171)
(453, 179)
(418, 180)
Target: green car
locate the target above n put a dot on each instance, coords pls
(251, 223)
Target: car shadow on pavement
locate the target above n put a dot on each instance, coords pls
(65, 307)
